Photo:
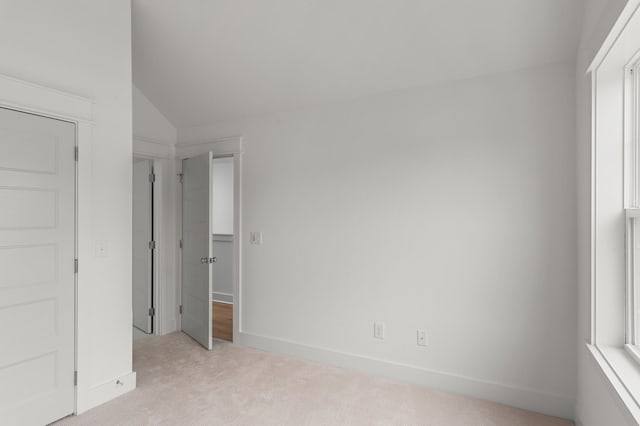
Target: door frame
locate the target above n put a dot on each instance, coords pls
(51, 103)
(158, 298)
(220, 147)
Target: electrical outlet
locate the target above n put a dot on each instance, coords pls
(255, 238)
(378, 330)
(422, 338)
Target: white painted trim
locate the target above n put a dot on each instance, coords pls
(237, 244)
(41, 100)
(223, 238)
(617, 29)
(218, 147)
(528, 399)
(634, 351)
(159, 280)
(97, 395)
(218, 296)
(620, 391)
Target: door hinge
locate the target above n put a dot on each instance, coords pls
(152, 177)
(180, 309)
(152, 312)
(181, 243)
(152, 245)
(75, 266)
(181, 177)
(75, 378)
(75, 153)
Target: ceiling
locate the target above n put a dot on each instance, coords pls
(206, 61)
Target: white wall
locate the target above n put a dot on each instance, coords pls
(222, 194)
(450, 208)
(149, 123)
(84, 47)
(597, 403)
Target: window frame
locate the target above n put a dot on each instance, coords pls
(615, 209)
(632, 204)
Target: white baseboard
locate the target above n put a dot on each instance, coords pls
(104, 392)
(527, 399)
(170, 326)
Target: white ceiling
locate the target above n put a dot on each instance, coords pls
(204, 61)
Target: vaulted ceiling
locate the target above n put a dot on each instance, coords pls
(205, 61)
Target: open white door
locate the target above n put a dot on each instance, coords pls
(142, 246)
(197, 248)
(37, 250)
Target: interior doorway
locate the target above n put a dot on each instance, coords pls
(143, 247)
(209, 247)
(223, 237)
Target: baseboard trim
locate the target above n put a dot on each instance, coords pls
(218, 296)
(104, 392)
(170, 327)
(527, 399)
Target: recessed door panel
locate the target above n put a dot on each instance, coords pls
(28, 151)
(28, 208)
(13, 259)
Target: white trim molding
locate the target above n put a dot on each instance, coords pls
(41, 100)
(218, 296)
(104, 392)
(152, 148)
(528, 399)
(218, 147)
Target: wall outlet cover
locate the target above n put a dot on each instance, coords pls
(378, 330)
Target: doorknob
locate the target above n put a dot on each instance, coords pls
(204, 260)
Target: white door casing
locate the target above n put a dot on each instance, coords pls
(197, 248)
(142, 268)
(37, 250)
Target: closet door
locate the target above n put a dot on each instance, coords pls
(197, 248)
(37, 273)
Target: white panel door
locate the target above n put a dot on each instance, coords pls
(37, 247)
(197, 248)
(142, 252)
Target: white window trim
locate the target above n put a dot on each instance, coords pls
(613, 337)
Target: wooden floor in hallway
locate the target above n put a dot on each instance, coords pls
(222, 320)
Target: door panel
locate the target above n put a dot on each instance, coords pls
(196, 245)
(142, 253)
(37, 249)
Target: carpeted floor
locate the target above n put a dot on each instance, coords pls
(179, 383)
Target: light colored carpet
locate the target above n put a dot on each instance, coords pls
(179, 383)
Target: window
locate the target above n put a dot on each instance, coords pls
(632, 206)
(615, 209)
